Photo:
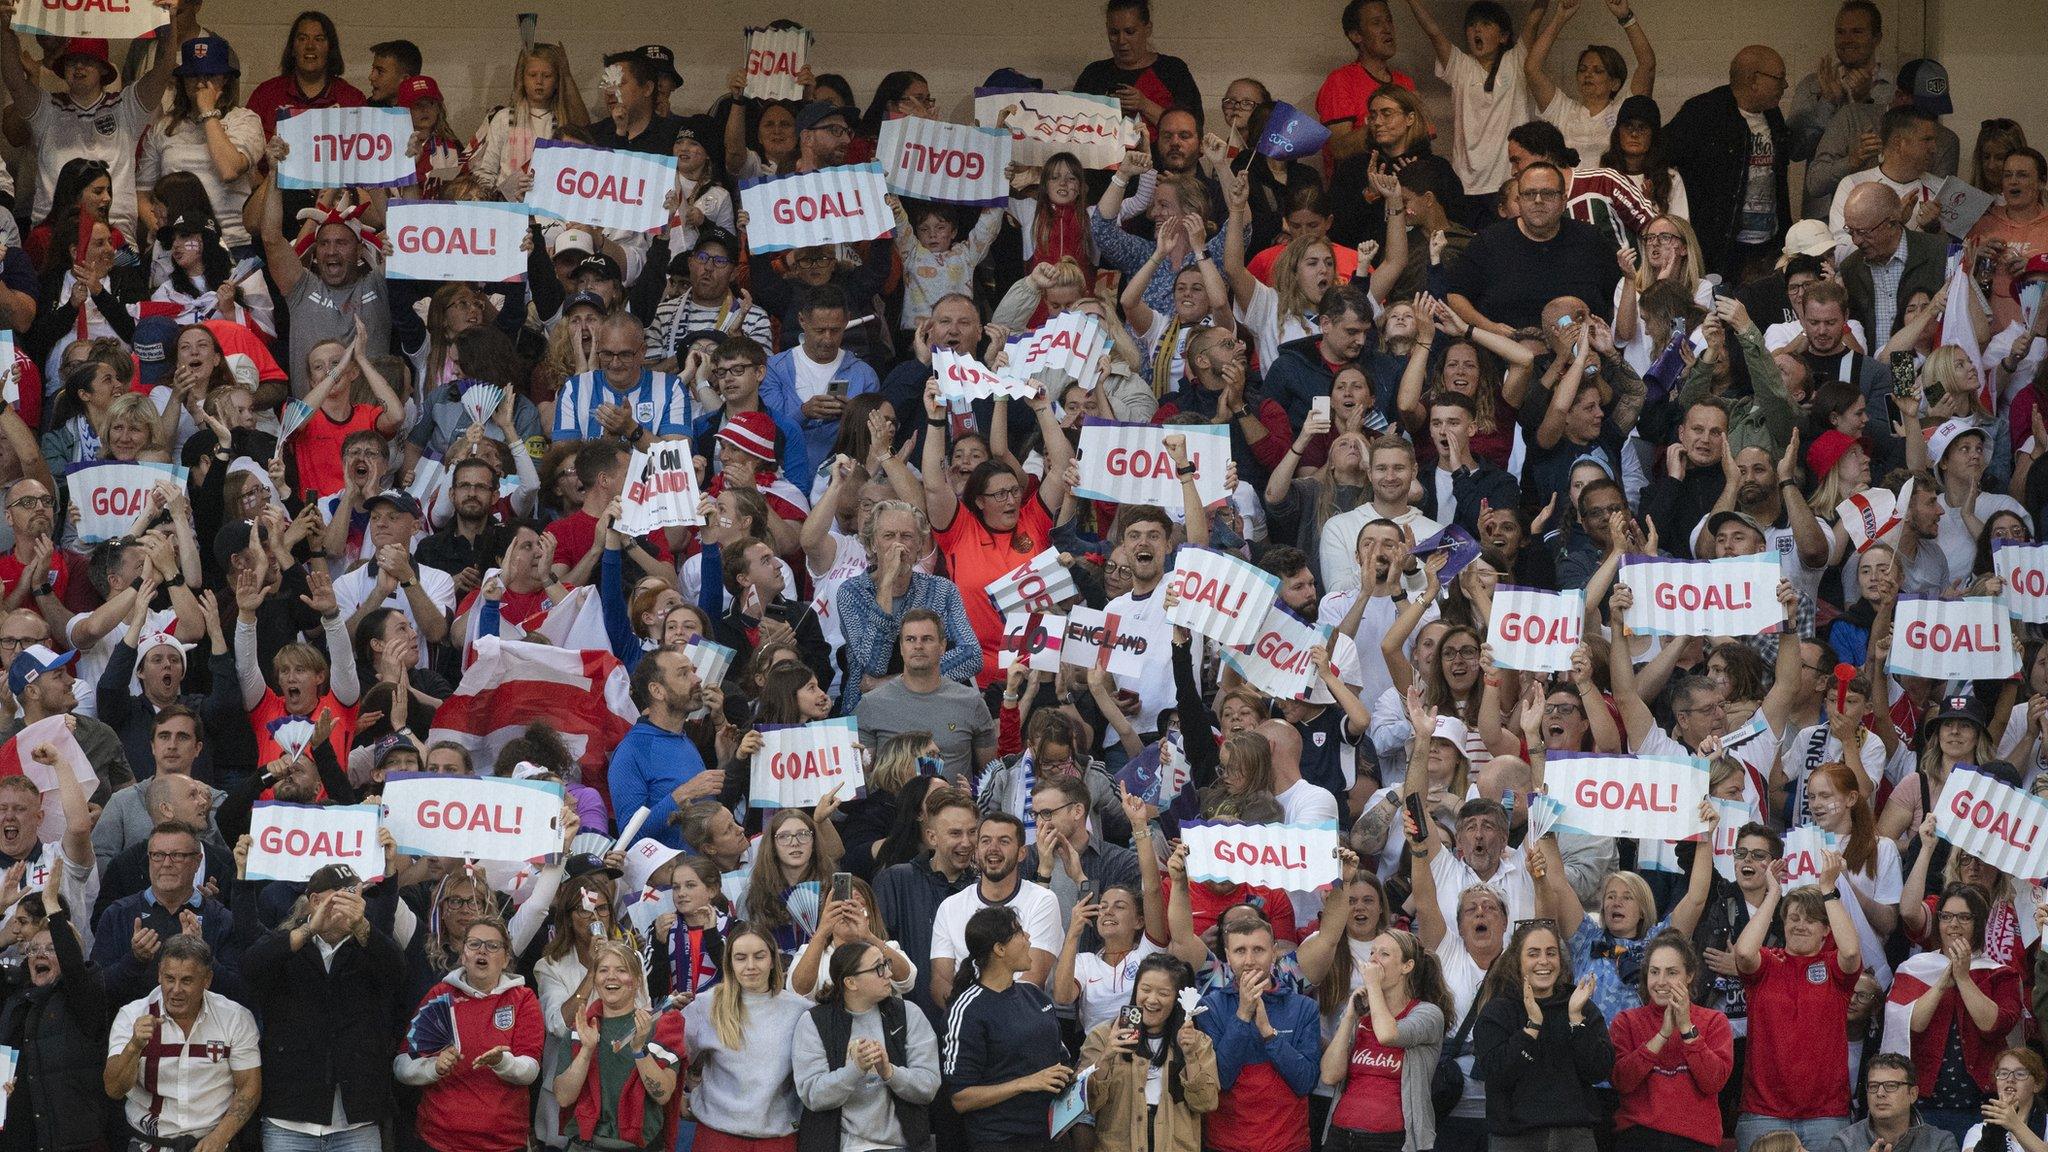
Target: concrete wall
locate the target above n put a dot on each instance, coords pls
(1994, 48)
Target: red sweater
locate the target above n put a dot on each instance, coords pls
(1678, 1089)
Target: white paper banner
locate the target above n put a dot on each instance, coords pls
(1731, 597)
(1533, 630)
(1277, 662)
(798, 763)
(473, 817)
(1995, 822)
(1220, 596)
(468, 240)
(1962, 205)
(109, 495)
(346, 148)
(1650, 797)
(843, 205)
(602, 186)
(1288, 857)
(55, 732)
(1037, 585)
(2024, 569)
(1066, 349)
(949, 163)
(1128, 463)
(293, 841)
(1968, 639)
(1036, 638)
(94, 19)
(775, 56)
(1116, 643)
(660, 491)
(963, 378)
(1734, 814)
(1093, 128)
(1803, 848)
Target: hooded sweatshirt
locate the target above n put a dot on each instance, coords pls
(480, 1109)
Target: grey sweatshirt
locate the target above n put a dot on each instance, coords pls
(867, 1116)
(746, 1091)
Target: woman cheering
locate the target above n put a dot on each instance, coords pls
(1671, 1057)
(1384, 1049)
(1153, 1081)
(1541, 1046)
(619, 1089)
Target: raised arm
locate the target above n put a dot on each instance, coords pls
(940, 504)
(1393, 259)
(1536, 63)
(1237, 194)
(1644, 81)
(1438, 42)
(20, 85)
(263, 215)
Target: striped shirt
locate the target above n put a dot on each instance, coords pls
(659, 403)
(678, 316)
(1610, 201)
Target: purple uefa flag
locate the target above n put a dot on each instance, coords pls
(1290, 132)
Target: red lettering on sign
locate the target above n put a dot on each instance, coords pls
(434, 240)
(1710, 598)
(1941, 637)
(1984, 817)
(457, 816)
(812, 764)
(631, 190)
(322, 844)
(1246, 852)
(1533, 629)
(1138, 463)
(117, 501)
(1626, 796)
(808, 208)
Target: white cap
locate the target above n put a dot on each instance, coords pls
(1453, 729)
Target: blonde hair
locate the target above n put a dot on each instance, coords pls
(568, 107)
(1639, 891)
(1067, 274)
(1287, 275)
(1689, 269)
(728, 1009)
(1951, 368)
(140, 410)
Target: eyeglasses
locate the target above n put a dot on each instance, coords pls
(1663, 240)
(1886, 1087)
(1120, 571)
(1562, 709)
(619, 354)
(171, 857)
(485, 946)
(1043, 814)
(51, 950)
(1003, 494)
(716, 260)
(2011, 1075)
(834, 129)
(1759, 855)
(1597, 515)
(1540, 194)
(881, 969)
(1233, 105)
(812, 258)
(13, 642)
(34, 502)
(730, 372)
(794, 836)
(462, 903)
(1874, 230)
(1458, 654)
(1702, 710)
(1955, 918)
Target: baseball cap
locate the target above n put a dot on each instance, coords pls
(1719, 519)
(664, 61)
(1806, 238)
(1947, 433)
(572, 240)
(152, 641)
(1013, 80)
(817, 112)
(152, 344)
(205, 56)
(1452, 729)
(397, 498)
(597, 265)
(752, 433)
(32, 662)
(584, 863)
(418, 90)
(331, 877)
(1926, 82)
(584, 300)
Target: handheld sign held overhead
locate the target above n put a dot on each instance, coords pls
(346, 148)
(1219, 595)
(1651, 797)
(92, 19)
(1967, 639)
(473, 817)
(1289, 857)
(1995, 822)
(661, 489)
(608, 187)
(109, 495)
(776, 57)
(293, 841)
(1533, 630)
(799, 763)
(1129, 464)
(1731, 597)
(842, 205)
(449, 240)
(948, 163)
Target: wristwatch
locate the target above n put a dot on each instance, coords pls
(1689, 1035)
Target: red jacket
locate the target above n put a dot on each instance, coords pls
(474, 1109)
(1677, 1090)
(631, 1106)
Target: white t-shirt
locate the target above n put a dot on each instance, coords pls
(1453, 876)
(1262, 318)
(813, 378)
(1462, 976)
(824, 981)
(1106, 989)
(1306, 803)
(690, 580)
(1586, 132)
(1154, 685)
(1870, 753)
(195, 1087)
(107, 131)
(1034, 904)
(850, 560)
(352, 590)
(1481, 119)
(1958, 547)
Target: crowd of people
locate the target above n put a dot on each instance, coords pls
(1561, 326)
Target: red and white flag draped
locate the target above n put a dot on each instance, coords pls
(577, 623)
(1913, 979)
(583, 693)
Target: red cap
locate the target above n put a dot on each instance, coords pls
(416, 89)
(752, 433)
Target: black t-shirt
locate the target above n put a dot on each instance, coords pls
(1510, 277)
(657, 139)
(1322, 757)
(1103, 77)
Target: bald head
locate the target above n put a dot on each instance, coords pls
(1286, 742)
(1757, 76)
(1872, 215)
